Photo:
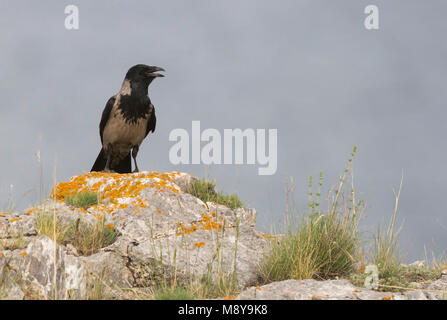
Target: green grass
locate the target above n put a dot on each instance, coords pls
(86, 238)
(210, 286)
(176, 293)
(393, 276)
(45, 225)
(386, 254)
(322, 244)
(82, 200)
(204, 190)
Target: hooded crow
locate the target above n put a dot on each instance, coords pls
(126, 120)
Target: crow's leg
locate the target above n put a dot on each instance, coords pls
(134, 156)
(107, 168)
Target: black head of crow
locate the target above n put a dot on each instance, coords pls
(126, 120)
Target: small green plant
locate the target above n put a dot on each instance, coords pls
(322, 244)
(204, 190)
(175, 293)
(88, 239)
(82, 200)
(85, 237)
(46, 225)
(386, 256)
(386, 250)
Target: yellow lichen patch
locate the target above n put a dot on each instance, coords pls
(185, 230)
(208, 224)
(199, 244)
(267, 236)
(116, 191)
(139, 203)
(389, 298)
(23, 253)
(14, 220)
(230, 298)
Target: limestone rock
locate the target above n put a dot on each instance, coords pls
(185, 181)
(418, 264)
(16, 225)
(161, 232)
(33, 269)
(310, 289)
(416, 295)
(441, 286)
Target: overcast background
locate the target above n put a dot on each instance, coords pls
(307, 68)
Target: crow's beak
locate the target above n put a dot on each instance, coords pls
(153, 74)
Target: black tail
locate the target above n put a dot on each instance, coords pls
(100, 163)
(125, 165)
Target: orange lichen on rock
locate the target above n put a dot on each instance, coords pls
(119, 191)
(208, 224)
(265, 235)
(185, 230)
(199, 244)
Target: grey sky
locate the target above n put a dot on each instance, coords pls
(308, 68)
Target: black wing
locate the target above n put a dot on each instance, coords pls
(106, 115)
(151, 122)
